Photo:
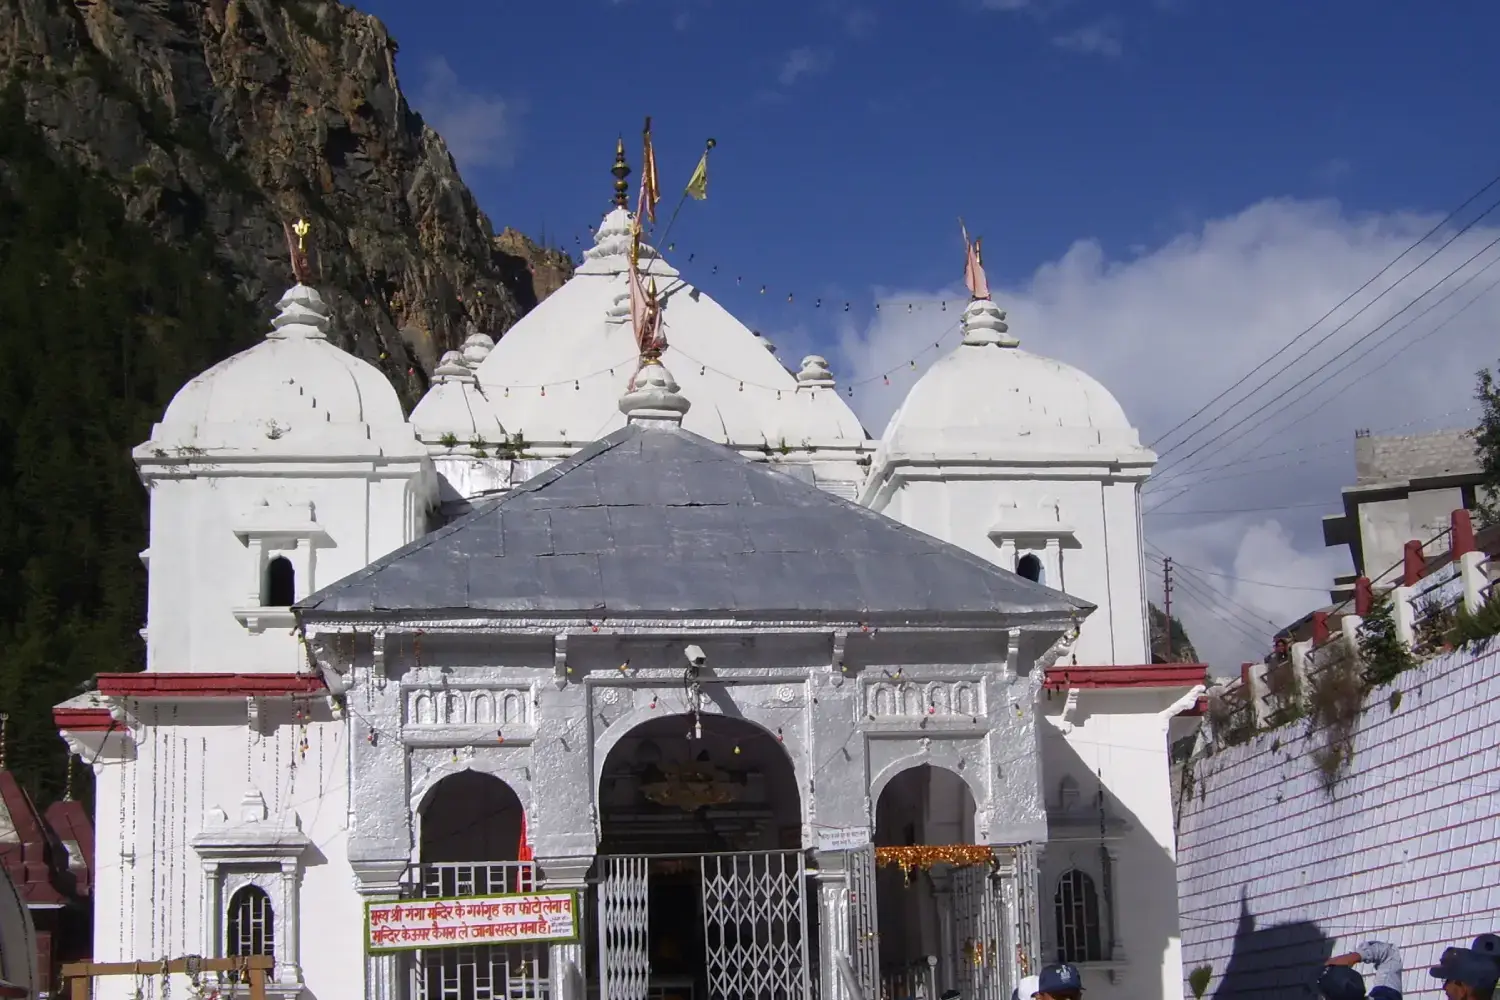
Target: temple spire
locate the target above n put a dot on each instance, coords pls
(652, 397)
(621, 170)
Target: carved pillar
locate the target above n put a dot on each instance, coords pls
(1029, 899)
(947, 940)
(833, 925)
(379, 880)
(567, 972)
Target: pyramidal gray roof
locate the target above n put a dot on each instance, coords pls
(659, 522)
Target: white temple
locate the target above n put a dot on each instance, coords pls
(743, 702)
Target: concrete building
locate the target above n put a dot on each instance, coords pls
(1405, 487)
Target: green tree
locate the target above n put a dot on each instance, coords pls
(1381, 652)
(1487, 444)
(99, 326)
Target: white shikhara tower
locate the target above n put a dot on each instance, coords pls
(224, 770)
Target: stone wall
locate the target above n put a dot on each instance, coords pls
(1276, 872)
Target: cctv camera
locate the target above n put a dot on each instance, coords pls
(695, 655)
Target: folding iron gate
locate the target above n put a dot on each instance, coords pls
(864, 929)
(754, 926)
(981, 929)
(624, 931)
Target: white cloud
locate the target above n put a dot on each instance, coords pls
(1168, 328)
(481, 130)
(1102, 38)
(802, 62)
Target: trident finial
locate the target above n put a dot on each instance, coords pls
(301, 269)
(621, 170)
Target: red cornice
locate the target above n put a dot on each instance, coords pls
(1156, 675)
(161, 685)
(84, 720)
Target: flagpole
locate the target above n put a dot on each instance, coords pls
(681, 200)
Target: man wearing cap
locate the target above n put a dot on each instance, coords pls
(1467, 974)
(1026, 990)
(1059, 982)
(1339, 981)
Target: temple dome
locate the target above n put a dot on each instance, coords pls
(989, 399)
(294, 390)
(556, 377)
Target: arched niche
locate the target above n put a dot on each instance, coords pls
(662, 789)
(924, 804)
(467, 817)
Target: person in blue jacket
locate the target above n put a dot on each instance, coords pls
(1340, 980)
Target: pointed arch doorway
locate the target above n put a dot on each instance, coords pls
(472, 841)
(702, 887)
(944, 922)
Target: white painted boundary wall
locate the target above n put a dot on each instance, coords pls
(1274, 874)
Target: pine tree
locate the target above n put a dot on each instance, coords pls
(99, 326)
(1487, 444)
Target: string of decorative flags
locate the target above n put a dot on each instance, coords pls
(819, 302)
(741, 384)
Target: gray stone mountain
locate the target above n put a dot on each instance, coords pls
(220, 120)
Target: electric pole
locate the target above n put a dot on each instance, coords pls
(1166, 600)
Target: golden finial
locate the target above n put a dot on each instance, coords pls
(621, 170)
(301, 269)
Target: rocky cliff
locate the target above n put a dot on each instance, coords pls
(220, 120)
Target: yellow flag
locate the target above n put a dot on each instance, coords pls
(697, 185)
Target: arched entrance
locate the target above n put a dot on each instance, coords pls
(471, 843)
(702, 887)
(941, 916)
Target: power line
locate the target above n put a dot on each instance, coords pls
(1234, 510)
(1293, 342)
(1242, 430)
(1258, 583)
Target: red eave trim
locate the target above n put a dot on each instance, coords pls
(159, 685)
(1156, 675)
(84, 720)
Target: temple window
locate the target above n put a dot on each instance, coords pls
(250, 927)
(1030, 567)
(281, 583)
(1077, 909)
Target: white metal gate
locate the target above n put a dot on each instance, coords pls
(864, 929)
(478, 972)
(755, 925)
(624, 930)
(985, 960)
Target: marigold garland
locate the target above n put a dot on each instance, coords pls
(925, 856)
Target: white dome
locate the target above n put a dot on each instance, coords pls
(556, 377)
(294, 391)
(989, 399)
(455, 405)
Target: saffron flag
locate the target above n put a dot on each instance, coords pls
(697, 185)
(979, 286)
(523, 846)
(645, 315)
(650, 192)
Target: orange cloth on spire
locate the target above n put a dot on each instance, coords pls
(979, 286)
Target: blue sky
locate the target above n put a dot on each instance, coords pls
(1169, 191)
(1041, 122)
